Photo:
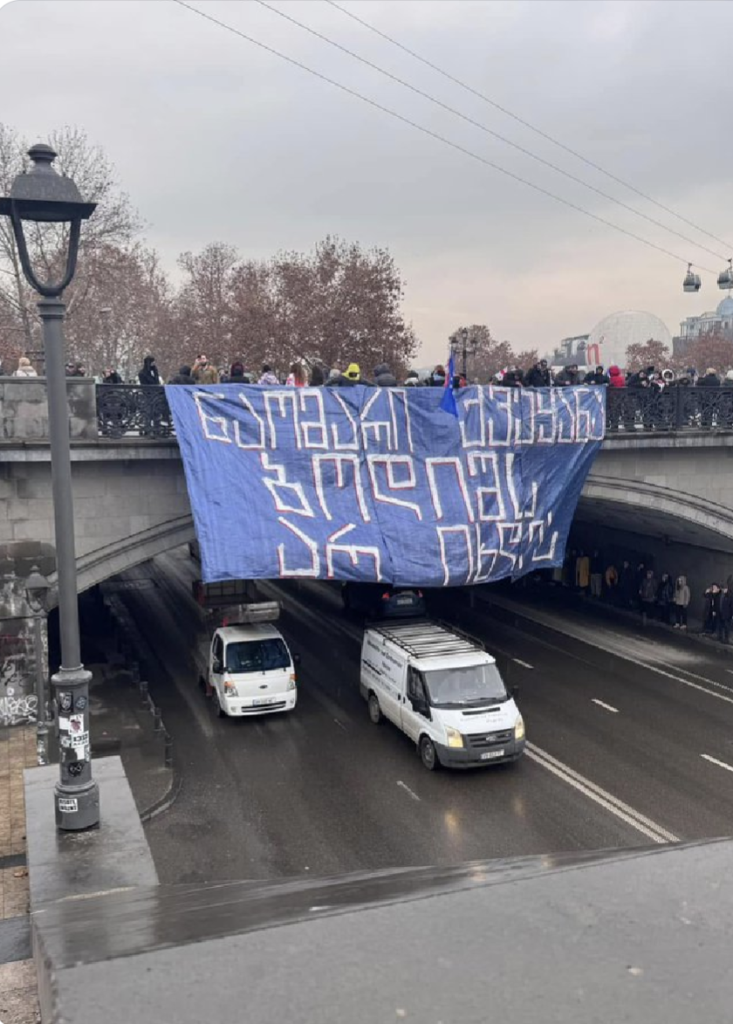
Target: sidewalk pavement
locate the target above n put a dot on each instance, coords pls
(18, 989)
(594, 610)
(120, 724)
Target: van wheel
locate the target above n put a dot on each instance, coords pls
(428, 755)
(375, 712)
(217, 704)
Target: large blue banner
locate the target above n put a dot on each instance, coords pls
(381, 483)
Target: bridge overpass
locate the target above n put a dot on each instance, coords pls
(667, 483)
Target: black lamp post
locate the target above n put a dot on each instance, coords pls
(43, 196)
(36, 589)
(466, 347)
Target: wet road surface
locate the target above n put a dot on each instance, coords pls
(615, 759)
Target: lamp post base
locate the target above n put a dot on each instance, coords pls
(76, 809)
(77, 796)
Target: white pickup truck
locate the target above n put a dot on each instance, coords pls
(245, 666)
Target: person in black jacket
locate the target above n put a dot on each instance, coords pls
(710, 380)
(111, 376)
(383, 377)
(711, 608)
(183, 376)
(149, 373)
(596, 376)
(726, 615)
(665, 596)
(568, 376)
(539, 376)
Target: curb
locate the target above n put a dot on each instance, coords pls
(165, 802)
(620, 616)
(130, 639)
(508, 608)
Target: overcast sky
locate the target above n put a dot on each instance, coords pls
(215, 139)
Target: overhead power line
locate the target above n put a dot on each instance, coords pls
(489, 131)
(435, 135)
(528, 124)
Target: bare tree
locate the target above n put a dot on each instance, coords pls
(202, 316)
(650, 353)
(124, 313)
(114, 224)
(487, 356)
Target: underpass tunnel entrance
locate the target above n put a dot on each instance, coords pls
(663, 542)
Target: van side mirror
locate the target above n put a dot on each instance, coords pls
(297, 659)
(217, 667)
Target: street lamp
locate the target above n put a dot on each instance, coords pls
(466, 347)
(42, 196)
(36, 589)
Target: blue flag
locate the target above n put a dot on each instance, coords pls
(448, 401)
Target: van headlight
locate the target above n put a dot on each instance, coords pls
(519, 732)
(230, 689)
(455, 739)
(291, 681)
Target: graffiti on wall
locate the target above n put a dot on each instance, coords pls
(18, 706)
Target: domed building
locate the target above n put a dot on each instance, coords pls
(720, 321)
(609, 339)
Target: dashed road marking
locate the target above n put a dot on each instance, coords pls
(408, 791)
(602, 704)
(524, 664)
(720, 764)
(341, 724)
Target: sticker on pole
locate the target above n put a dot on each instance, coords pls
(68, 805)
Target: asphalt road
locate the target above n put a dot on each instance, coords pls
(615, 759)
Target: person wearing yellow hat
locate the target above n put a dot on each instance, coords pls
(348, 379)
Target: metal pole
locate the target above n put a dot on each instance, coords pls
(77, 795)
(42, 712)
(465, 358)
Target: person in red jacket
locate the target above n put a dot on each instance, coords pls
(616, 379)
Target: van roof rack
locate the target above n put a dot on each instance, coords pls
(429, 638)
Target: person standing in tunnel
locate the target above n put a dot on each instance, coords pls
(681, 600)
(647, 595)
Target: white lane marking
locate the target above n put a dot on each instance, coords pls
(619, 653)
(408, 791)
(524, 664)
(729, 671)
(601, 704)
(714, 760)
(341, 724)
(617, 807)
(702, 679)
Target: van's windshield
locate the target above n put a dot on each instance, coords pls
(257, 655)
(468, 685)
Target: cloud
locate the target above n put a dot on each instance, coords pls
(217, 139)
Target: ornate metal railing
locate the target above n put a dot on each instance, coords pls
(129, 410)
(672, 409)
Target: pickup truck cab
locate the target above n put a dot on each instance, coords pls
(248, 668)
(441, 688)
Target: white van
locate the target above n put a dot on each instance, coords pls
(441, 688)
(246, 668)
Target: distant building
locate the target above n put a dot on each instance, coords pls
(719, 321)
(607, 343)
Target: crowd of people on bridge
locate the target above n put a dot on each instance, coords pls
(633, 584)
(540, 375)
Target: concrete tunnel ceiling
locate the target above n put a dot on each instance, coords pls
(650, 522)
